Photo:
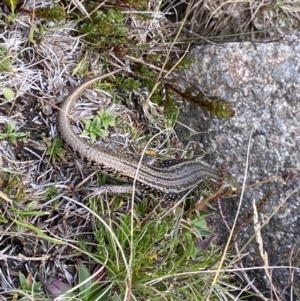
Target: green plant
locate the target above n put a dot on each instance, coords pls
(55, 13)
(5, 60)
(12, 135)
(29, 286)
(12, 4)
(161, 250)
(14, 186)
(8, 93)
(99, 125)
(91, 287)
(214, 106)
(105, 28)
(54, 148)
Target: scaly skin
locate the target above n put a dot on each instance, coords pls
(172, 180)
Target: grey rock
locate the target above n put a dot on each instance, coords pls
(262, 81)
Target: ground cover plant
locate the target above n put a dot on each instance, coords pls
(62, 239)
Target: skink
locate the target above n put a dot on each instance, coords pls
(172, 180)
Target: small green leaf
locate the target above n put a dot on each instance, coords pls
(31, 34)
(13, 140)
(201, 225)
(102, 133)
(20, 134)
(10, 127)
(87, 123)
(119, 17)
(85, 133)
(32, 213)
(8, 93)
(96, 123)
(32, 205)
(3, 220)
(38, 232)
(93, 136)
(86, 287)
(89, 290)
(37, 287)
(23, 281)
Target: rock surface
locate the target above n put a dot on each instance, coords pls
(263, 82)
